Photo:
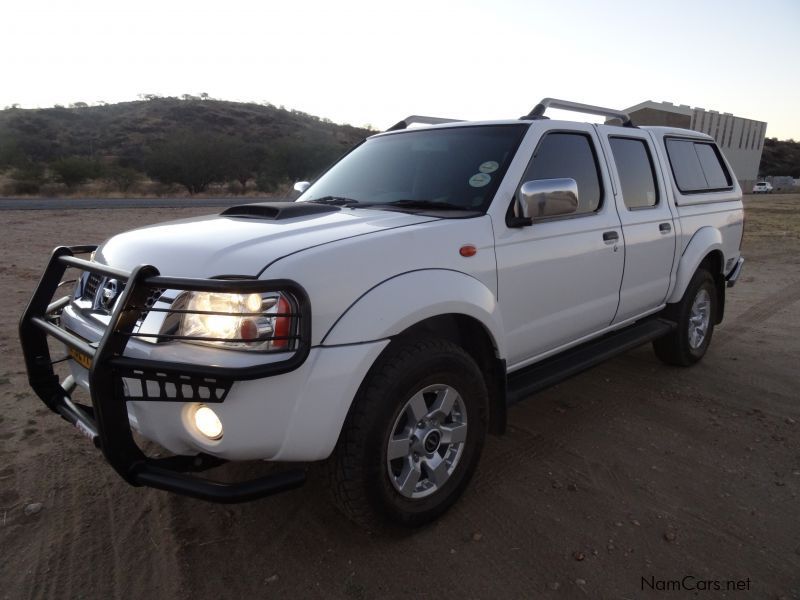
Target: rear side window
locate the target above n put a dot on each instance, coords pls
(568, 155)
(635, 168)
(697, 166)
(712, 167)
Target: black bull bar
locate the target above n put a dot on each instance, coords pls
(106, 422)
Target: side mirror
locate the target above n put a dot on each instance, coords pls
(301, 186)
(546, 198)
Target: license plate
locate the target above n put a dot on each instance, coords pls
(82, 359)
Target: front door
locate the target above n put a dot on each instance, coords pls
(559, 279)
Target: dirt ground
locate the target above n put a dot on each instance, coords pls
(631, 471)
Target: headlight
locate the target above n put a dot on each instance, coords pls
(260, 322)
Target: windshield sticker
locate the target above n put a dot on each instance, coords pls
(489, 166)
(479, 180)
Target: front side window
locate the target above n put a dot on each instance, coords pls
(571, 155)
(458, 167)
(697, 166)
(635, 169)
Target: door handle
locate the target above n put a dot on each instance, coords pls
(610, 237)
(665, 228)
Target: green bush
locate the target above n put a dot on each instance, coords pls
(193, 160)
(266, 182)
(123, 178)
(74, 170)
(22, 188)
(29, 172)
(10, 153)
(235, 188)
(25, 180)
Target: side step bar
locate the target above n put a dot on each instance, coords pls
(551, 371)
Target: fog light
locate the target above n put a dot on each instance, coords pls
(207, 422)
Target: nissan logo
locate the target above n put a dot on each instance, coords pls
(110, 291)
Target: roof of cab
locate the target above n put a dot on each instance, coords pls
(658, 130)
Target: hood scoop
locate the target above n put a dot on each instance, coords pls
(277, 211)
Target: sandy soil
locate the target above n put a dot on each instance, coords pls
(632, 470)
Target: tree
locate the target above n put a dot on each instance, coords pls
(10, 153)
(74, 170)
(26, 179)
(302, 160)
(266, 181)
(193, 160)
(293, 160)
(122, 177)
(244, 162)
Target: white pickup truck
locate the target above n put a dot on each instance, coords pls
(385, 319)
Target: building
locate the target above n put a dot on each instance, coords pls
(741, 140)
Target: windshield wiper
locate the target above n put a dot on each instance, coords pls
(335, 201)
(424, 204)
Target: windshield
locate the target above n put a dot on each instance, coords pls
(451, 168)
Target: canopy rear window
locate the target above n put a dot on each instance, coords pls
(697, 166)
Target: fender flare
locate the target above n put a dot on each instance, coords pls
(705, 241)
(397, 303)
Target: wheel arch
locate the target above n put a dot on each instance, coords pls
(402, 301)
(704, 249)
(471, 335)
(434, 303)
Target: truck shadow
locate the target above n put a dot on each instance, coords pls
(298, 543)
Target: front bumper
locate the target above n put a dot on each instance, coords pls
(106, 421)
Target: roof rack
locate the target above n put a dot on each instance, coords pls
(420, 119)
(538, 110)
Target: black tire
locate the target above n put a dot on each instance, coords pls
(360, 474)
(676, 348)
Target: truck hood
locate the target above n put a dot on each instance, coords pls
(217, 245)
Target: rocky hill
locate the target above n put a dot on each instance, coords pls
(780, 157)
(158, 138)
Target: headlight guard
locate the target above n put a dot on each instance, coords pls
(255, 321)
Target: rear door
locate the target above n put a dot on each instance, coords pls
(647, 220)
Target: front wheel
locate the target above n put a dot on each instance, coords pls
(413, 437)
(694, 315)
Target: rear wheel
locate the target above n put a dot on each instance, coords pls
(413, 437)
(694, 315)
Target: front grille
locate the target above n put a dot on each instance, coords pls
(91, 286)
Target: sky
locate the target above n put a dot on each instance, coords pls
(377, 62)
